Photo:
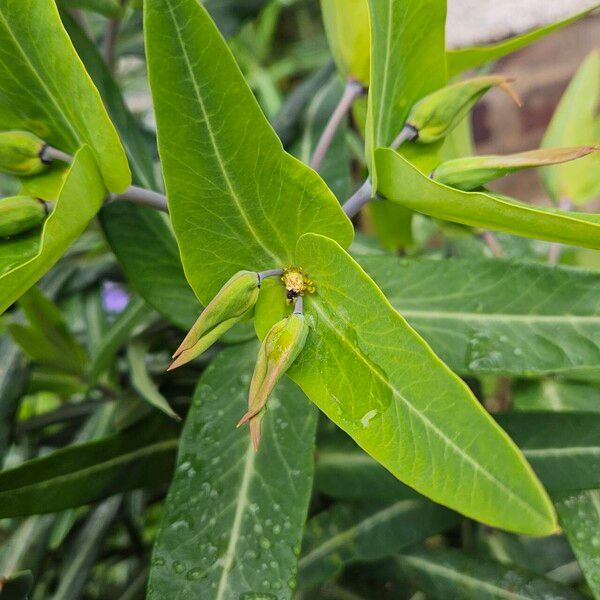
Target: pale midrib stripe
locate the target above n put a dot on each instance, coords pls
(236, 527)
(558, 452)
(380, 517)
(342, 459)
(428, 424)
(461, 577)
(213, 139)
(466, 316)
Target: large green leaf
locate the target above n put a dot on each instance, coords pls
(237, 199)
(380, 382)
(79, 200)
(574, 124)
(400, 181)
(444, 574)
(233, 520)
(81, 474)
(346, 533)
(498, 316)
(475, 56)
(141, 237)
(46, 90)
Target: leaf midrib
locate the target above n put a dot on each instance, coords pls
(211, 134)
(470, 316)
(428, 424)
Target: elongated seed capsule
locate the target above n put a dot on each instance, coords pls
(280, 348)
(475, 171)
(437, 114)
(19, 214)
(20, 153)
(234, 303)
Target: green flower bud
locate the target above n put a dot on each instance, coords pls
(437, 114)
(19, 214)
(234, 303)
(20, 153)
(280, 348)
(475, 171)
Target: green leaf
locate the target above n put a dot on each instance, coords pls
(46, 90)
(469, 58)
(17, 586)
(233, 519)
(498, 316)
(108, 8)
(444, 574)
(46, 339)
(141, 237)
(80, 198)
(563, 448)
(237, 199)
(579, 515)
(556, 394)
(371, 374)
(408, 40)
(134, 315)
(141, 380)
(347, 28)
(400, 181)
(81, 474)
(574, 123)
(347, 533)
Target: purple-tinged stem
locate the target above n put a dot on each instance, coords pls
(358, 199)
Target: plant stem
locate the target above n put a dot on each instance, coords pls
(408, 133)
(492, 243)
(139, 195)
(299, 306)
(352, 91)
(555, 248)
(270, 273)
(50, 154)
(358, 199)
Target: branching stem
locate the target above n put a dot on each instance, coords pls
(49, 154)
(492, 243)
(358, 199)
(262, 275)
(352, 91)
(299, 306)
(139, 195)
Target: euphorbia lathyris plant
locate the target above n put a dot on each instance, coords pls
(262, 239)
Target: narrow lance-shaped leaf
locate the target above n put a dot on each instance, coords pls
(501, 317)
(79, 200)
(468, 58)
(81, 474)
(380, 382)
(575, 121)
(347, 533)
(401, 182)
(237, 199)
(46, 90)
(347, 28)
(233, 519)
(444, 574)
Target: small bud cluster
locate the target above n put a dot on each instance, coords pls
(281, 347)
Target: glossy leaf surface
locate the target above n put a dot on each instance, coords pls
(46, 90)
(475, 56)
(574, 123)
(444, 574)
(237, 200)
(403, 183)
(79, 200)
(85, 473)
(230, 509)
(346, 533)
(498, 316)
(380, 382)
